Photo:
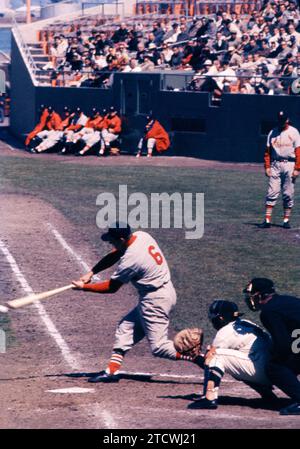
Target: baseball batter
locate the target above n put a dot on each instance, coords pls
(140, 261)
(282, 166)
(240, 348)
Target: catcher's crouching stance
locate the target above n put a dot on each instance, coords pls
(240, 348)
(141, 261)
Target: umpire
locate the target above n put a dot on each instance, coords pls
(280, 314)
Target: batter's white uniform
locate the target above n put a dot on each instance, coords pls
(242, 350)
(145, 266)
(282, 144)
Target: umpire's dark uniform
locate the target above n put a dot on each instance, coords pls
(281, 316)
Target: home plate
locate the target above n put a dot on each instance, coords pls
(72, 390)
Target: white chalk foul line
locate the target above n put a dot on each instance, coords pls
(52, 330)
(67, 247)
(105, 416)
(198, 377)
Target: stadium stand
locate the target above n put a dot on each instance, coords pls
(212, 79)
(238, 47)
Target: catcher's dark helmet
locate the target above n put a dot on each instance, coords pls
(222, 312)
(256, 290)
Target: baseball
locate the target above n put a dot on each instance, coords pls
(3, 309)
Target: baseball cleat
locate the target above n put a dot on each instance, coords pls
(105, 378)
(293, 409)
(265, 225)
(33, 151)
(286, 225)
(204, 404)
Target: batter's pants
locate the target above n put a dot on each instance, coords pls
(150, 319)
(240, 365)
(281, 179)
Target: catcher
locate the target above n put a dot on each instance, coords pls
(240, 348)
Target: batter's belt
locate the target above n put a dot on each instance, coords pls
(284, 159)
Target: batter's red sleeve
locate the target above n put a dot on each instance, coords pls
(109, 286)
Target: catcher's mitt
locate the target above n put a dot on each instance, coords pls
(189, 341)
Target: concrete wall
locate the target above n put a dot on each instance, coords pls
(23, 114)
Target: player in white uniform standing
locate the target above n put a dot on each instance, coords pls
(282, 166)
(140, 261)
(240, 348)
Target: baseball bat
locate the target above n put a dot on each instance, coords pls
(25, 300)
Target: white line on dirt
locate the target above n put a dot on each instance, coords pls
(170, 375)
(67, 247)
(217, 414)
(103, 414)
(8, 146)
(72, 390)
(52, 330)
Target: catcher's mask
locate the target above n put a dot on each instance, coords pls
(222, 312)
(256, 290)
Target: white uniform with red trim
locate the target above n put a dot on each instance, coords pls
(282, 144)
(145, 266)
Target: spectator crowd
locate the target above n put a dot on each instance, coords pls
(255, 53)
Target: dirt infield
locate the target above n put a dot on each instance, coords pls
(73, 333)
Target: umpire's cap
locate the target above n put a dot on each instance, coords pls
(117, 230)
(259, 285)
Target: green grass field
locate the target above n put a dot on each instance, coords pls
(232, 250)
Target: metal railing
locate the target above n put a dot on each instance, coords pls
(82, 78)
(191, 82)
(196, 7)
(102, 3)
(27, 56)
